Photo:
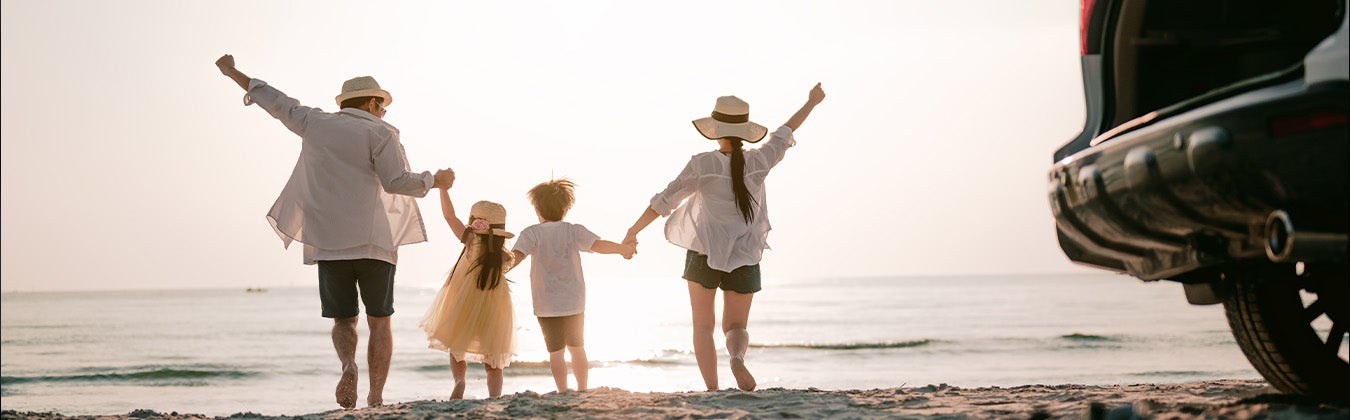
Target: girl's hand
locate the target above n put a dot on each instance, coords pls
(443, 179)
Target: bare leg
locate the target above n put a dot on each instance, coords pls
(558, 366)
(378, 351)
(735, 316)
(581, 367)
(704, 319)
(494, 381)
(458, 368)
(344, 341)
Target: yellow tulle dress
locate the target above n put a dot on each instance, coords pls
(470, 323)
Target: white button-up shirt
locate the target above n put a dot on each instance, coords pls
(351, 193)
(709, 222)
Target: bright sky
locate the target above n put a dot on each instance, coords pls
(129, 161)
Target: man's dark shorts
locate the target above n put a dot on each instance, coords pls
(744, 279)
(563, 330)
(338, 282)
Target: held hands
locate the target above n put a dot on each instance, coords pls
(627, 250)
(817, 95)
(444, 179)
(630, 246)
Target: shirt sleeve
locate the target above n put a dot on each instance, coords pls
(391, 163)
(584, 237)
(679, 189)
(525, 242)
(774, 150)
(284, 108)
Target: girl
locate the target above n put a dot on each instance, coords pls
(471, 315)
(723, 226)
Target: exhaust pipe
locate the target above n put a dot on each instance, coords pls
(1284, 244)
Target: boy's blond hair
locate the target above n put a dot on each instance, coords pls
(553, 199)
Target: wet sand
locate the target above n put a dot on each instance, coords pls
(1211, 399)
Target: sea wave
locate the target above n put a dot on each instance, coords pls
(1088, 337)
(526, 367)
(166, 376)
(847, 346)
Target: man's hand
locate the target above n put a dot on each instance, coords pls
(444, 179)
(225, 64)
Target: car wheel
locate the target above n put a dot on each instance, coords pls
(1291, 322)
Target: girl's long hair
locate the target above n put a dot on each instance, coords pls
(743, 199)
(490, 260)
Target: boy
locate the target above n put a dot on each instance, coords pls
(556, 282)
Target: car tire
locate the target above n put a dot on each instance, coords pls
(1273, 310)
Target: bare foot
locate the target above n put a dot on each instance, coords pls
(346, 388)
(744, 380)
(374, 400)
(458, 393)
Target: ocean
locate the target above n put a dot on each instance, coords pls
(220, 352)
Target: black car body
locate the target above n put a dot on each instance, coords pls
(1216, 153)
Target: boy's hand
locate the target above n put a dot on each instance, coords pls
(627, 250)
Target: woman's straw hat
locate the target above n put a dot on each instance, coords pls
(730, 118)
(363, 86)
(494, 214)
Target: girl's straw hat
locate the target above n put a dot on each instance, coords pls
(363, 86)
(493, 219)
(730, 118)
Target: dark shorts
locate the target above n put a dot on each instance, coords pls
(744, 279)
(339, 280)
(563, 330)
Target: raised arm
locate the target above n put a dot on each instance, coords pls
(448, 210)
(812, 99)
(226, 65)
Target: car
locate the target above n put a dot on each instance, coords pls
(1215, 153)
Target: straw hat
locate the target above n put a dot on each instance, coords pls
(495, 216)
(730, 118)
(363, 86)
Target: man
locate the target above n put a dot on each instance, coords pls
(350, 202)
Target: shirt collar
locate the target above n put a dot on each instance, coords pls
(358, 112)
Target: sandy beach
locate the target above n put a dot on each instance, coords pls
(1210, 399)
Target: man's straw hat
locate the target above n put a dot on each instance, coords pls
(730, 118)
(363, 86)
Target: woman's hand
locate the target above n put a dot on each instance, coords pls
(817, 95)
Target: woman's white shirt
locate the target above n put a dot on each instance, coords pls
(709, 222)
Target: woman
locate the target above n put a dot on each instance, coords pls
(724, 223)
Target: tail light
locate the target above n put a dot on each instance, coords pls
(1084, 17)
(1289, 125)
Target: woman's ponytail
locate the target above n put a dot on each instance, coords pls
(490, 260)
(743, 199)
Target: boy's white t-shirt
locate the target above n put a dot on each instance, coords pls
(556, 283)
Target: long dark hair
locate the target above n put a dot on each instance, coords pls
(490, 260)
(743, 199)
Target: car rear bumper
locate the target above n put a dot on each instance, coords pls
(1198, 189)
